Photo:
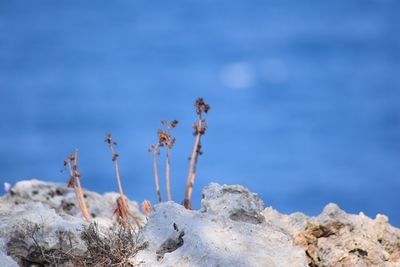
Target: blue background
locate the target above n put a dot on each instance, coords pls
(304, 96)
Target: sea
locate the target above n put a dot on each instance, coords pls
(304, 97)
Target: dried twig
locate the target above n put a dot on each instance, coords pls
(170, 141)
(156, 152)
(164, 139)
(75, 176)
(122, 205)
(199, 130)
(114, 247)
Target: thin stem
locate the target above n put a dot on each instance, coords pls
(85, 211)
(167, 175)
(192, 167)
(122, 205)
(156, 175)
(121, 192)
(168, 166)
(78, 198)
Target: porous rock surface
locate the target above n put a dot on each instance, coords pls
(232, 228)
(48, 214)
(335, 238)
(229, 230)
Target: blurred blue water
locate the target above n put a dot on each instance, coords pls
(304, 96)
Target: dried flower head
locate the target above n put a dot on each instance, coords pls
(109, 140)
(163, 138)
(115, 156)
(174, 123)
(201, 106)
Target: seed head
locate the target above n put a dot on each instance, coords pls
(201, 106)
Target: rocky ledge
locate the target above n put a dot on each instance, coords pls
(41, 225)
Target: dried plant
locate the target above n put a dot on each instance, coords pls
(27, 245)
(122, 213)
(146, 208)
(122, 205)
(199, 129)
(156, 152)
(115, 247)
(164, 140)
(169, 141)
(75, 176)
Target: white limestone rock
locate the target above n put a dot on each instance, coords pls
(229, 230)
(232, 228)
(36, 212)
(63, 200)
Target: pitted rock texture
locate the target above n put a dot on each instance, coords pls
(229, 230)
(63, 200)
(234, 202)
(232, 228)
(48, 214)
(335, 238)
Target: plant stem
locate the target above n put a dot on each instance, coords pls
(168, 168)
(84, 209)
(78, 198)
(192, 169)
(121, 192)
(167, 175)
(156, 175)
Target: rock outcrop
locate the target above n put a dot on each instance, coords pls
(38, 217)
(336, 238)
(229, 230)
(232, 228)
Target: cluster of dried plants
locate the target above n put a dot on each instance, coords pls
(28, 248)
(75, 182)
(115, 247)
(165, 140)
(120, 244)
(121, 209)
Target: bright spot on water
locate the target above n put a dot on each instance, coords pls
(238, 75)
